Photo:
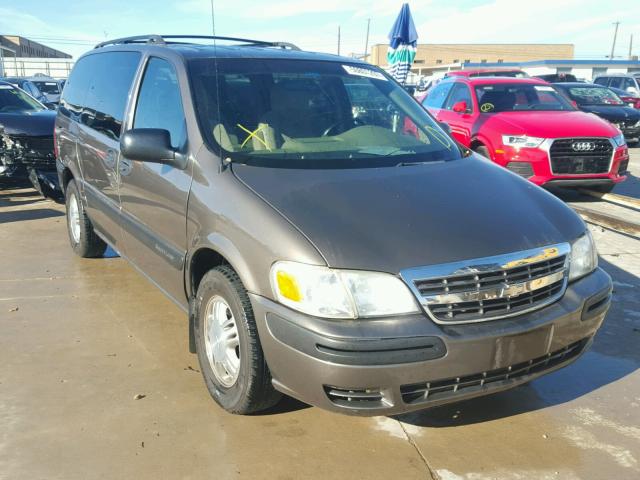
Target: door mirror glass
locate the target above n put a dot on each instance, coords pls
(148, 145)
(460, 107)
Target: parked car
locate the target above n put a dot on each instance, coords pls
(29, 87)
(488, 72)
(631, 99)
(50, 87)
(630, 82)
(320, 249)
(557, 77)
(26, 140)
(605, 103)
(531, 129)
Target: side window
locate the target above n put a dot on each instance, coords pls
(437, 96)
(616, 82)
(159, 103)
(601, 81)
(107, 97)
(628, 83)
(459, 93)
(76, 87)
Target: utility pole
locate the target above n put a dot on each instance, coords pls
(366, 42)
(338, 39)
(630, 46)
(615, 35)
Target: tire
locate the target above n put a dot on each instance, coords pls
(482, 150)
(243, 387)
(84, 241)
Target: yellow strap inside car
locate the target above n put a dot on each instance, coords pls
(253, 134)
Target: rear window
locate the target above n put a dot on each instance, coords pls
(97, 90)
(48, 87)
(506, 97)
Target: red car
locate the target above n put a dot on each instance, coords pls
(528, 127)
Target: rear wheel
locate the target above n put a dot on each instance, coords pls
(228, 346)
(83, 239)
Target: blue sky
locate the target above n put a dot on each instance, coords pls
(76, 25)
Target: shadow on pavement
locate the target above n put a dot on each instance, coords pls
(33, 214)
(613, 355)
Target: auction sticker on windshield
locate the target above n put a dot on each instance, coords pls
(363, 72)
(543, 88)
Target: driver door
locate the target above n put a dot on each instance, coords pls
(460, 122)
(154, 196)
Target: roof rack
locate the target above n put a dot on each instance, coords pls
(166, 40)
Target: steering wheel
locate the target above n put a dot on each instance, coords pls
(356, 122)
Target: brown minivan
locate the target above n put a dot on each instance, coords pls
(327, 238)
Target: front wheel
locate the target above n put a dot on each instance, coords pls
(482, 150)
(228, 346)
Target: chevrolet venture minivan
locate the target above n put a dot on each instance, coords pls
(327, 238)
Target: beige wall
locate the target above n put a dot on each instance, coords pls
(429, 55)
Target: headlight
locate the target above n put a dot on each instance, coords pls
(584, 256)
(619, 140)
(521, 141)
(325, 292)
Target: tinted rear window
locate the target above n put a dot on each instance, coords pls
(98, 88)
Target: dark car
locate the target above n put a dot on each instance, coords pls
(605, 103)
(557, 77)
(26, 140)
(357, 260)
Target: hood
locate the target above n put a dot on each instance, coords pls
(617, 113)
(38, 124)
(389, 219)
(549, 124)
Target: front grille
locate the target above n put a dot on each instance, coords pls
(355, 398)
(521, 168)
(440, 389)
(566, 160)
(468, 311)
(490, 288)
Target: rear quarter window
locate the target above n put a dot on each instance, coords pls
(98, 89)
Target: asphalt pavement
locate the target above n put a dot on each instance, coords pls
(96, 382)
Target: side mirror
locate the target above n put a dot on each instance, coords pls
(574, 103)
(460, 107)
(150, 145)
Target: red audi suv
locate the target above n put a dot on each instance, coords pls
(527, 126)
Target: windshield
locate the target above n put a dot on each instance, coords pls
(48, 87)
(506, 97)
(312, 114)
(14, 100)
(594, 96)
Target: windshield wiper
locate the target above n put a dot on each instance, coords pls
(411, 164)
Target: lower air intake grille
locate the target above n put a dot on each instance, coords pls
(521, 168)
(355, 398)
(439, 389)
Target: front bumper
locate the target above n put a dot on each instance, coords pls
(395, 365)
(540, 173)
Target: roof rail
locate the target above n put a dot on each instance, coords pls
(167, 39)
